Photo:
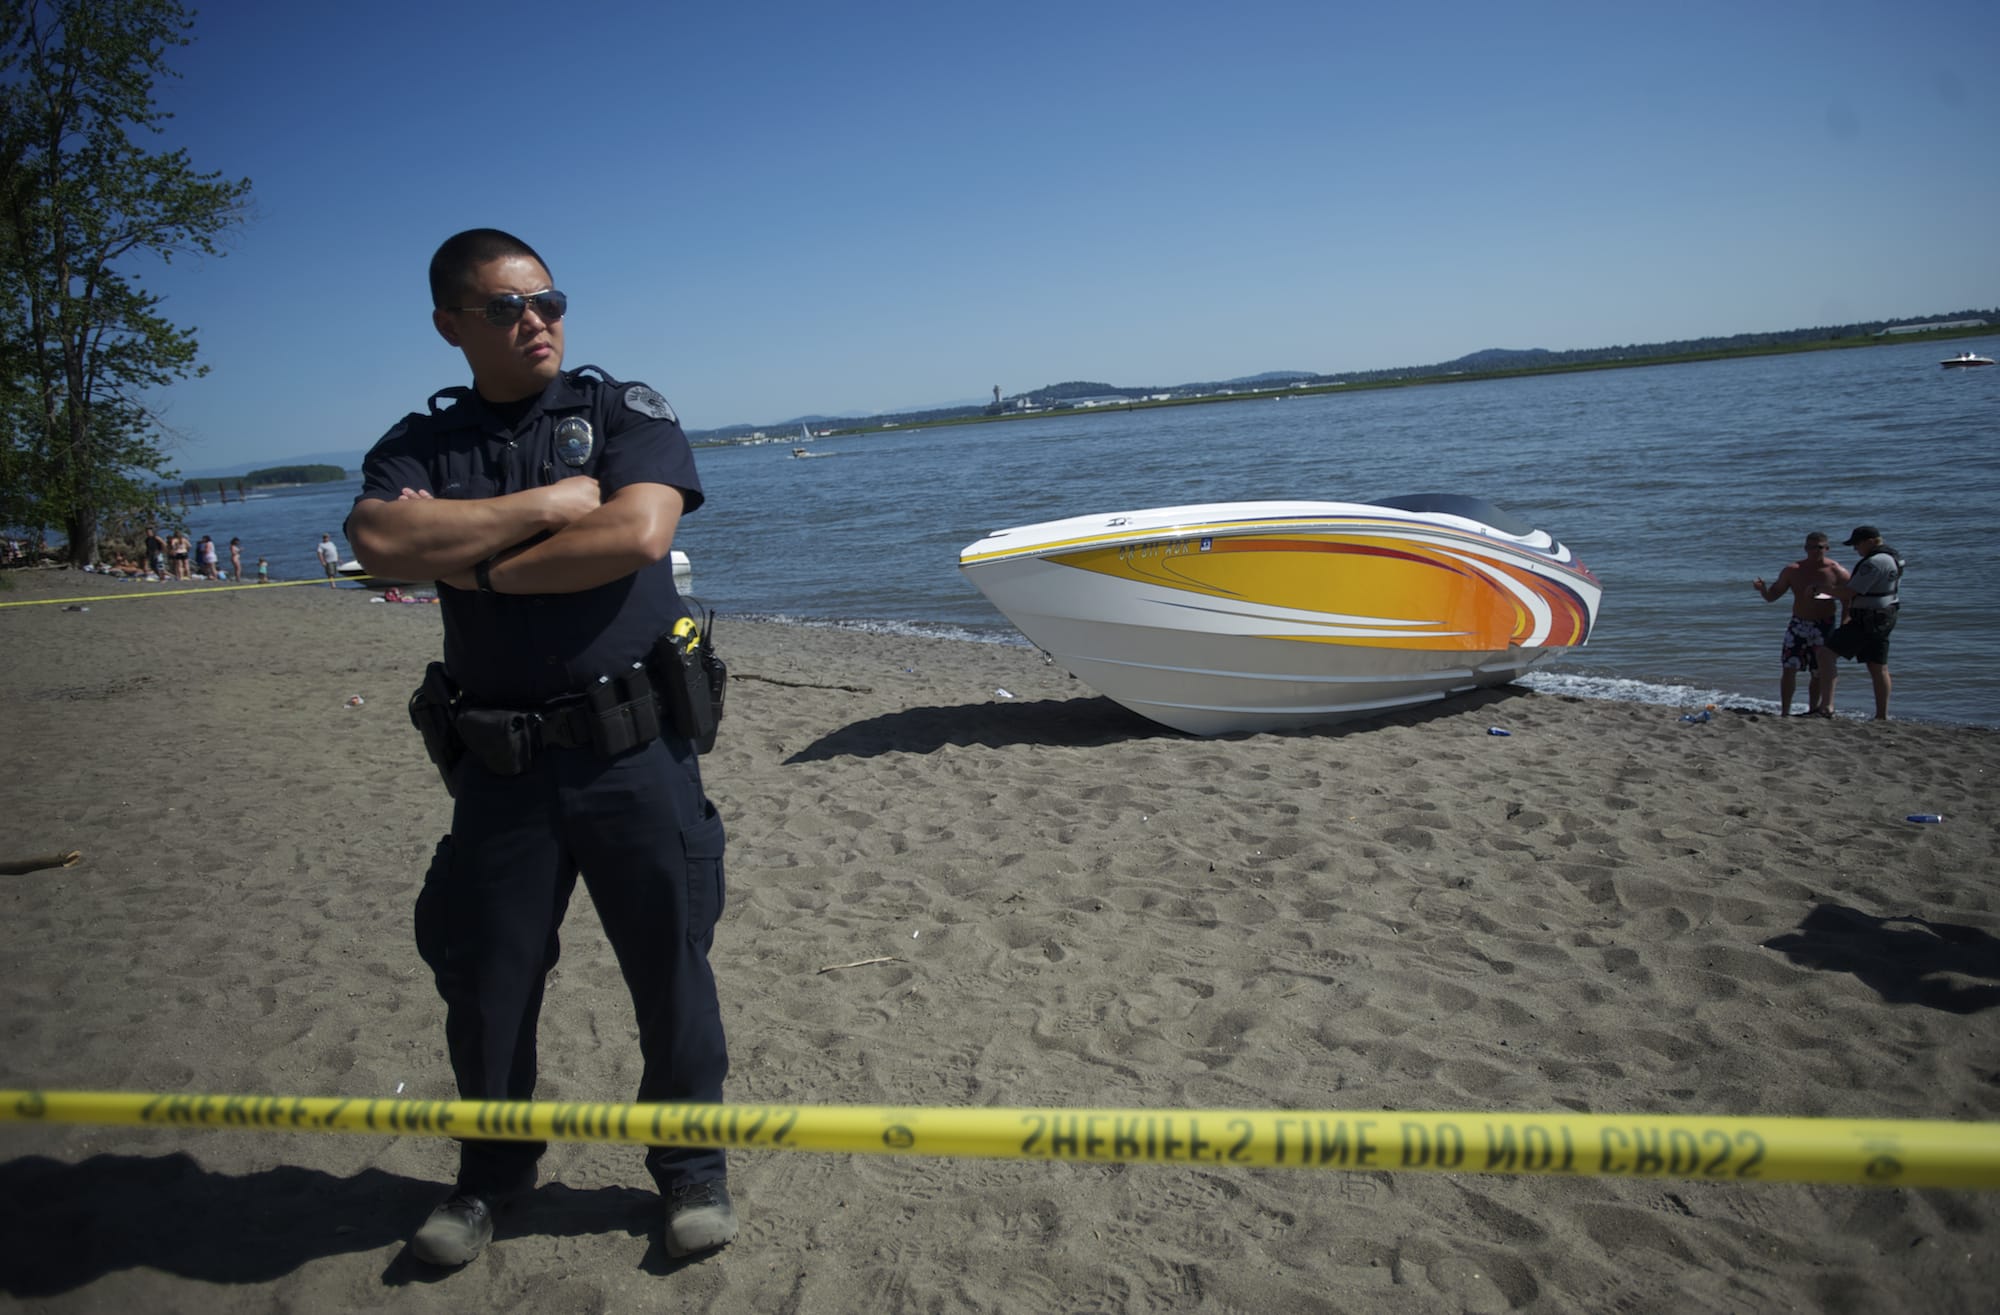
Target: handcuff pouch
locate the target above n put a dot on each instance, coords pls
(502, 739)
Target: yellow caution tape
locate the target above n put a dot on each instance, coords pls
(1874, 1152)
(174, 593)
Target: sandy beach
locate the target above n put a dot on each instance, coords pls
(1606, 910)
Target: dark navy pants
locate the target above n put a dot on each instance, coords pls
(649, 846)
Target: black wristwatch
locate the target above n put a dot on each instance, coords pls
(483, 575)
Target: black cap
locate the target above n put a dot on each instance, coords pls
(1861, 534)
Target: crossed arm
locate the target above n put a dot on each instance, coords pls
(589, 543)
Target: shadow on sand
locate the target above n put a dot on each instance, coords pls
(1073, 723)
(1905, 960)
(67, 1225)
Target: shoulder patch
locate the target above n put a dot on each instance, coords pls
(649, 403)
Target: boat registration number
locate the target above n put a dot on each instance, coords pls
(1139, 552)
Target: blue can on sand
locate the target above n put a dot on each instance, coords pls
(1925, 817)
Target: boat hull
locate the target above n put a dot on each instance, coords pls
(1233, 617)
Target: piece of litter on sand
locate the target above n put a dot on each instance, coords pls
(76, 607)
(399, 1088)
(861, 963)
(354, 701)
(1003, 693)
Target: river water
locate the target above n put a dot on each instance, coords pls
(1676, 484)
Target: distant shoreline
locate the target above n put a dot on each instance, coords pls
(1400, 381)
(175, 493)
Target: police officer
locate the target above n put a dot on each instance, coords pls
(1872, 599)
(545, 504)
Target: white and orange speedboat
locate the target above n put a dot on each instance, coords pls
(1253, 616)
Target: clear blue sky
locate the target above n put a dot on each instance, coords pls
(772, 209)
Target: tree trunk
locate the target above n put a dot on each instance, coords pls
(81, 526)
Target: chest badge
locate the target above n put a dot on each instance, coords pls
(573, 441)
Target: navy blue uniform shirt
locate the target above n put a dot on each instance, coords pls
(522, 649)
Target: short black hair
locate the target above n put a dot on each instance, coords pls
(463, 252)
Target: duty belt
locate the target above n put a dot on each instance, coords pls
(564, 724)
(615, 716)
(677, 690)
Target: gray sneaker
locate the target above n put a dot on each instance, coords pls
(700, 1218)
(457, 1231)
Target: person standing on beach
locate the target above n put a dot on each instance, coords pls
(329, 558)
(177, 548)
(236, 560)
(156, 551)
(263, 571)
(545, 504)
(1873, 599)
(1810, 581)
(207, 558)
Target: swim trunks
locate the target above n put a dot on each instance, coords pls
(1802, 636)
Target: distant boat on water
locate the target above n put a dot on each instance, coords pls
(1964, 360)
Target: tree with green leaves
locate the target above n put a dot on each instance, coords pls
(83, 210)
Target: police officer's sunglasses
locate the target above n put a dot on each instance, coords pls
(508, 309)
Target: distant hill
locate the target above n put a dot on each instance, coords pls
(1502, 358)
(1272, 377)
(345, 458)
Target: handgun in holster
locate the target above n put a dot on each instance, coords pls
(433, 711)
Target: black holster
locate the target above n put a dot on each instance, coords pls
(433, 711)
(691, 679)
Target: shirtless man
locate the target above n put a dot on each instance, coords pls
(1810, 581)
